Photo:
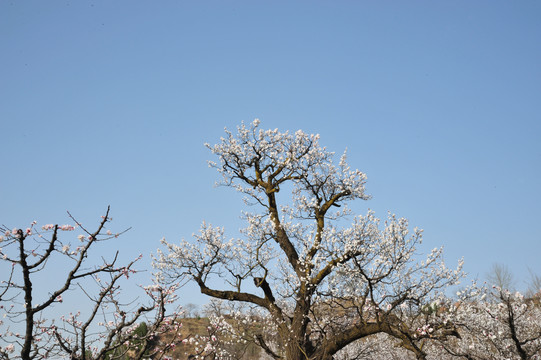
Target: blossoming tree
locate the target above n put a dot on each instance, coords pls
(494, 324)
(104, 329)
(323, 285)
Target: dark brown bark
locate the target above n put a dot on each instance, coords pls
(27, 289)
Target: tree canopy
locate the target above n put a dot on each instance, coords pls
(322, 284)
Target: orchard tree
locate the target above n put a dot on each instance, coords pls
(105, 328)
(494, 324)
(323, 285)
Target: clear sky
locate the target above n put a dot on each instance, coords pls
(439, 102)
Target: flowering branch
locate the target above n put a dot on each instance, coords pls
(299, 254)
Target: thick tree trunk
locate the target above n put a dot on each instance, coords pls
(297, 347)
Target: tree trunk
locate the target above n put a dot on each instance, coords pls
(27, 289)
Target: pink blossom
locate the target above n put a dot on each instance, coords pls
(10, 348)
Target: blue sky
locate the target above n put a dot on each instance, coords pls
(109, 103)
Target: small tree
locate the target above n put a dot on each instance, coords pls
(500, 276)
(534, 284)
(26, 253)
(322, 285)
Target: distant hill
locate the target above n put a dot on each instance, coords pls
(197, 328)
